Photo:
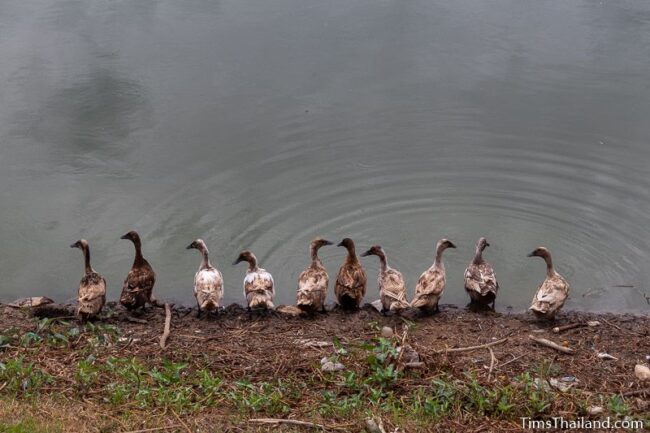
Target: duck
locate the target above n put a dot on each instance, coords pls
(92, 287)
(208, 281)
(392, 287)
(351, 280)
(259, 287)
(553, 291)
(431, 284)
(138, 284)
(480, 281)
(313, 281)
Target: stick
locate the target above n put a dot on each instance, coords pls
(492, 361)
(637, 392)
(168, 323)
(552, 345)
(467, 349)
(559, 329)
(279, 421)
(181, 421)
(154, 429)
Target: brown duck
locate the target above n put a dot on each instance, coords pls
(259, 288)
(138, 285)
(553, 291)
(432, 282)
(208, 281)
(392, 287)
(313, 281)
(351, 280)
(480, 281)
(92, 288)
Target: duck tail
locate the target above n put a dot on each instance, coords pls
(260, 301)
(348, 302)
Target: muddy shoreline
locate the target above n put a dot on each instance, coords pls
(287, 352)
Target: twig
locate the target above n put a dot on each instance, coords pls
(492, 362)
(168, 322)
(636, 392)
(552, 345)
(179, 418)
(146, 430)
(279, 421)
(470, 348)
(512, 360)
(559, 329)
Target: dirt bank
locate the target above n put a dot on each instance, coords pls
(219, 373)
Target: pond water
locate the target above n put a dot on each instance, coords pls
(262, 124)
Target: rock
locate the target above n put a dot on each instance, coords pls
(642, 372)
(374, 426)
(595, 410)
(330, 366)
(387, 332)
(35, 301)
(377, 305)
(564, 384)
(593, 323)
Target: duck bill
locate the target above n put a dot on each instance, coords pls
(328, 243)
(451, 245)
(366, 254)
(530, 254)
(126, 236)
(73, 246)
(189, 247)
(238, 261)
(340, 244)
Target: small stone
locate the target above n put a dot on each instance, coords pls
(387, 332)
(642, 372)
(593, 323)
(324, 360)
(595, 410)
(330, 366)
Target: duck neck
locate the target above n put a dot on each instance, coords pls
(315, 260)
(88, 268)
(478, 256)
(438, 260)
(352, 254)
(205, 262)
(383, 261)
(139, 260)
(550, 271)
(252, 264)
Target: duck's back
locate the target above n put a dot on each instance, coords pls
(138, 286)
(550, 296)
(481, 279)
(92, 294)
(312, 287)
(259, 289)
(208, 288)
(350, 284)
(392, 290)
(429, 288)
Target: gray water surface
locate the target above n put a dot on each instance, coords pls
(262, 124)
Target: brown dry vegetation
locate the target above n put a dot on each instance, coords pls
(218, 373)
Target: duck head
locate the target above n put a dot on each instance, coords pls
(443, 244)
(197, 245)
(319, 242)
(246, 256)
(81, 244)
(347, 243)
(374, 250)
(133, 236)
(481, 244)
(540, 252)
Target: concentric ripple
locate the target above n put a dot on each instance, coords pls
(391, 123)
